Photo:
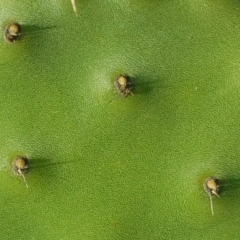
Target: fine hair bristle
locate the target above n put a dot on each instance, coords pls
(74, 6)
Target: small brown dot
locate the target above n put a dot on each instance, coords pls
(12, 32)
(211, 186)
(123, 85)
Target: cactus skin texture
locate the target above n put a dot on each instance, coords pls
(102, 166)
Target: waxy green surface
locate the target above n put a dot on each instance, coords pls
(107, 167)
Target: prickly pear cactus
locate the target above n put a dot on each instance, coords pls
(110, 159)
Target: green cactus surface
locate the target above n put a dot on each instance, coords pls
(107, 166)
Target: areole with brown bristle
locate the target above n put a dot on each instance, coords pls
(12, 32)
(211, 187)
(20, 167)
(123, 84)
